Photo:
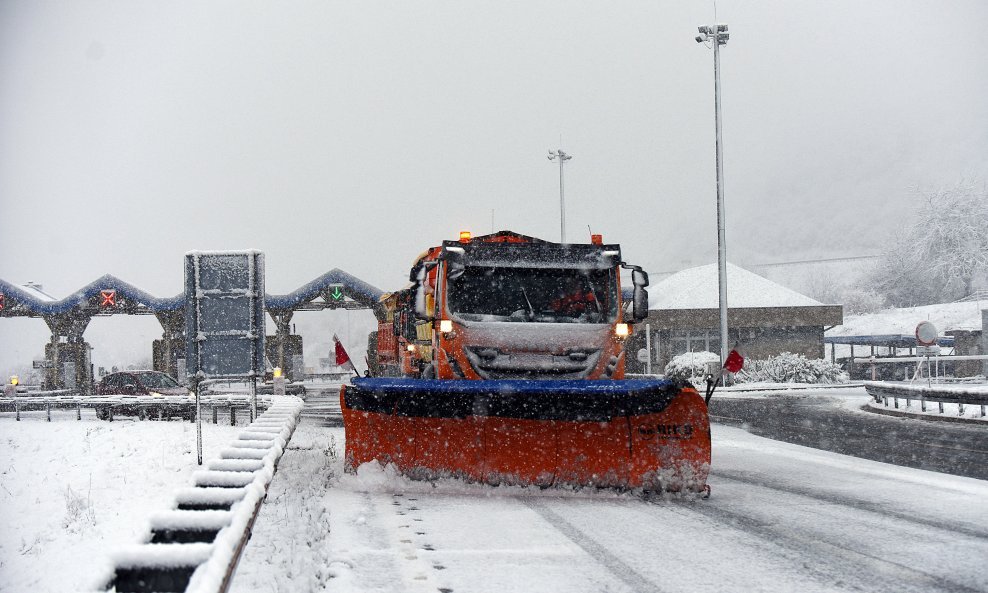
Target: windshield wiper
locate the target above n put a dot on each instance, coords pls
(531, 309)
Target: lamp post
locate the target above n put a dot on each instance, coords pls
(563, 157)
(718, 36)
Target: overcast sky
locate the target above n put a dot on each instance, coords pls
(354, 135)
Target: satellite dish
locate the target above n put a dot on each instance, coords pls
(926, 333)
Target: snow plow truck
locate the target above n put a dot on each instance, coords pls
(507, 356)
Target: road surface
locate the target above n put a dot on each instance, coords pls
(782, 517)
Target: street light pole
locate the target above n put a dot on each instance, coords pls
(563, 157)
(718, 36)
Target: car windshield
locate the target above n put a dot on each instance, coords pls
(157, 381)
(484, 293)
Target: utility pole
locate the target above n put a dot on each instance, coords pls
(562, 157)
(718, 36)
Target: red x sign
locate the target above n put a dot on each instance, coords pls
(1, 302)
(108, 298)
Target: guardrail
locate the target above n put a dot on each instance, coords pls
(883, 391)
(196, 546)
(143, 407)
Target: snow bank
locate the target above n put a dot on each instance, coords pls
(73, 491)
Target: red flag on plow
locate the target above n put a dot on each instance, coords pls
(342, 358)
(734, 362)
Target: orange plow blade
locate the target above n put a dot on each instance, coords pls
(641, 433)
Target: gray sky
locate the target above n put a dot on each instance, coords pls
(355, 135)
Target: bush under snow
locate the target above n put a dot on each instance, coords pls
(691, 365)
(791, 368)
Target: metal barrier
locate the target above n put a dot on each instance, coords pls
(143, 407)
(882, 391)
(196, 547)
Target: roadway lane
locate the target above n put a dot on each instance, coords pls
(322, 405)
(782, 518)
(832, 421)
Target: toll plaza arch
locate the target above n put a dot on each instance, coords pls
(335, 289)
(67, 355)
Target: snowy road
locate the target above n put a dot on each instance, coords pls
(782, 518)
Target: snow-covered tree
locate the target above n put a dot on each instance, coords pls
(943, 254)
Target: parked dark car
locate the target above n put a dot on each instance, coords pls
(144, 389)
(139, 383)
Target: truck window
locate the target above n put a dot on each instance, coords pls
(536, 295)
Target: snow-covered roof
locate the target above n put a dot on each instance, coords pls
(946, 317)
(697, 288)
(36, 291)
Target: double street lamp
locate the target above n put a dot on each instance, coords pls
(562, 157)
(717, 35)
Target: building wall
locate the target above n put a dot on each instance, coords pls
(759, 333)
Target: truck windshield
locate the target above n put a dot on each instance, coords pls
(534, 295)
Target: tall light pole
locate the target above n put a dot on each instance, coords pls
(718, 36)
(562, 157)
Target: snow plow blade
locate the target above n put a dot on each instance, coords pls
(640, 433)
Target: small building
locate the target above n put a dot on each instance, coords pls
(764, 318)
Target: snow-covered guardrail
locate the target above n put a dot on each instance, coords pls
(142, 406)
(196, 546)
(883, 391)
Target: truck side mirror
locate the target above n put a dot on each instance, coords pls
(639, 305)
(423, 310)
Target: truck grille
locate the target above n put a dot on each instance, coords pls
(490, 363)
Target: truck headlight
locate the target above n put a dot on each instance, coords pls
(446, 326)
(621, 330)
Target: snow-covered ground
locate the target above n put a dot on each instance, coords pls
(782, 518)
(72, 492)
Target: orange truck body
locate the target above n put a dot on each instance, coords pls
(495, 386)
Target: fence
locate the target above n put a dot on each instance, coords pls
(883, 391)
(143, 407)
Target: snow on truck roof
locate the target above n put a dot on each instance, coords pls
(697, 288)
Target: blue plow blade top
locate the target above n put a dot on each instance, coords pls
(515, 386)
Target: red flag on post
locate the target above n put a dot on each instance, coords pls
(734, 362)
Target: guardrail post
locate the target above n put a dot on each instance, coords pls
(78, 410)
(941, 407)
(896, 399)
(17, 409)
(48, 410)
(982, 410)
(233, 416)
(909, 402)
(109, 413)
(214, 415)
(960, 409)
(922, 403)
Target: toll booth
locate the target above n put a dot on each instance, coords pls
(290, 359)
(168, 356)
(71, 366)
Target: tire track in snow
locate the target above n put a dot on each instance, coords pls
(618, 567)
(854, 503)
(839, 554)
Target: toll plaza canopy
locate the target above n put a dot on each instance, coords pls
(109, 294)
(885, 340)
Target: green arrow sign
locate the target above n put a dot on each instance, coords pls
(336, 293)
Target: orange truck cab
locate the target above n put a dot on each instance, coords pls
(508, 306)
